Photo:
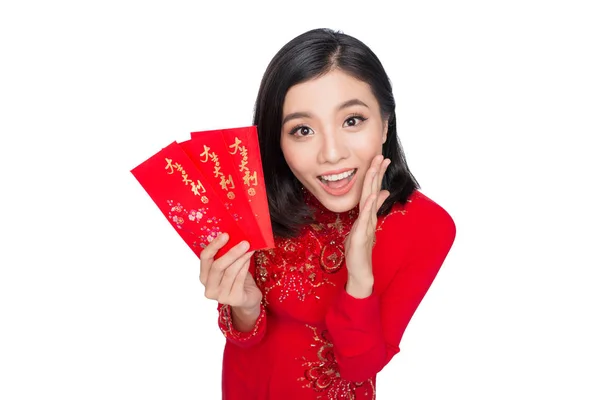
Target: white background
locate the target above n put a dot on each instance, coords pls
(498, 110)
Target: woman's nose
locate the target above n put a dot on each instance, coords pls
(333, 148)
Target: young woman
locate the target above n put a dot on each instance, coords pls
(357, 244)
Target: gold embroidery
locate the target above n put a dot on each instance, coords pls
(260, 257)
(331, 258)
(296, 267)
(394, 212)
(289, 245)
(226, 324)
(337, 225)
(323, 376)
(294, 276)
(317, 227)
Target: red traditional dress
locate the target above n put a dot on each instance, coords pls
(312, 339)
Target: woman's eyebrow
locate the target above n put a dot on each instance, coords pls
(296, 115)
(350, 103)
(303, 114)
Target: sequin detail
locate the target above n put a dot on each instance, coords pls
(296, 269)
(399, 210)
(226, 324)
(290, 273)
(322, 375)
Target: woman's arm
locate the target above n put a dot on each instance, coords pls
(366, 332)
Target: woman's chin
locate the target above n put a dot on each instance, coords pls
(337, 204)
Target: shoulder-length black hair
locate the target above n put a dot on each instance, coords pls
(308, 56)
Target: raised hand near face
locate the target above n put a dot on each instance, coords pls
(359, 242)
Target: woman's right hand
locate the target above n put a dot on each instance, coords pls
(226, 279)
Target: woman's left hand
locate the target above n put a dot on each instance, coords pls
(359, 242)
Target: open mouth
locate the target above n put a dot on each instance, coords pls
(338, 184)
(337, 177)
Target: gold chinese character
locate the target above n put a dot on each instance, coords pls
(205, 153)
(169, 165)
(226, 183)
(235, 145)
(243, 164)
(185, 178)
(248, 177)
(217, 170)
(196, 187)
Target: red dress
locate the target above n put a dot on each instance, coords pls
(312, 339)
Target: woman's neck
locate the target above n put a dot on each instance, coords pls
(322, 214)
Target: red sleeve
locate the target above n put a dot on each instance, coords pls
(242, 339)
(366, 333)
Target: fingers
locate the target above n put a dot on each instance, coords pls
(363, 221)
(370, 179)
(382, 169)
(381, 164)
(375, 181)
(372, 198)
(372, 185)
(375, 185)
(233, 254)
(366, 189)
(230, 276)
(219, 266)
(240, 278)
(208, 254)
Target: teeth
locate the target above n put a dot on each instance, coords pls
(337, 177)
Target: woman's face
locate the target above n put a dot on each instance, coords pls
(332, 129)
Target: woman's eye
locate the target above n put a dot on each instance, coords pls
(301, 131)
(354, 121)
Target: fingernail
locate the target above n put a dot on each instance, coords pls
(244, 245)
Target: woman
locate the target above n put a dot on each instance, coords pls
(357, 245)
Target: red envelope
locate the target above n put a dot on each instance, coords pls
(210, 154)
(242, 144)
(186, 199)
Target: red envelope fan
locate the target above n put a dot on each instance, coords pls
(185, 198)
(244, 150)
(209, 152)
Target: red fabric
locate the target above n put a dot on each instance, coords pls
(315, 341)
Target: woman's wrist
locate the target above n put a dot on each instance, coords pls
(360, 288)
(244, 319)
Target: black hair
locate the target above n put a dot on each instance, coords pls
(308, 56)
